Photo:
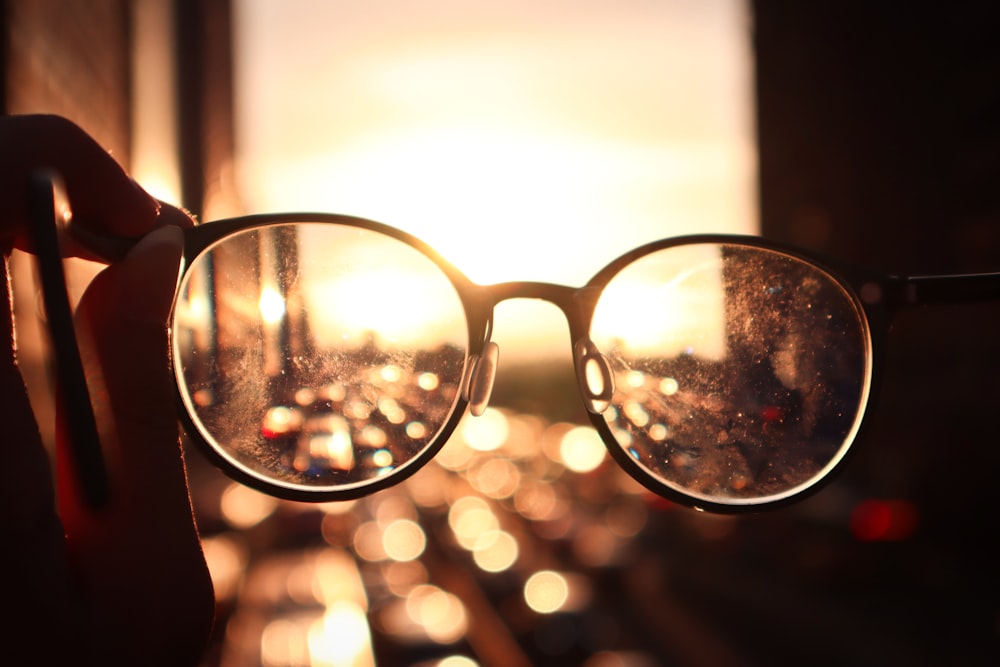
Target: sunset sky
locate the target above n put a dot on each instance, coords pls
(523, 139)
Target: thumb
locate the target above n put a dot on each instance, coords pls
(121, 322)
(139, 558)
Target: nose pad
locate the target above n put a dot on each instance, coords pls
(479, 385)
(593, 373)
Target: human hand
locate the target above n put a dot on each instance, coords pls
(127, 583)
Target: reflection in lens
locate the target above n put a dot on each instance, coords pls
(741, 372)
(318, 356)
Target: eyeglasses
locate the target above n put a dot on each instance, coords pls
(325, 357)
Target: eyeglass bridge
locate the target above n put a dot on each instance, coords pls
(593, 372)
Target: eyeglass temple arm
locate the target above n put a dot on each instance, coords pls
(946, 289)
(49, 210)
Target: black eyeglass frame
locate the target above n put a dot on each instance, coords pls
(877, 296)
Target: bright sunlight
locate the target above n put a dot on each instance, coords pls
(523, 140)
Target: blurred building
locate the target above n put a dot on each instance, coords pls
(139, 76)
(878, 144)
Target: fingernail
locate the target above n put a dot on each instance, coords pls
(168, 236)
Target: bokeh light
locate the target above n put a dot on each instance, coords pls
(546, 591)
(403, 540)
(469, 518)
(341, 638)
(244, 507)
(485, 433)
(495, 551)
(441, 614)
(582, 450)
(226, 556)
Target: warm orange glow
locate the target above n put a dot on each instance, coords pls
(368, 543)
(272, 305)
(486, 432)
(226, 557)
(626, 519)
(352, 304)
(455, 455)
(441, 614)
(470, 517)
(582, 450)
(665, 303)
(341, 638)
(155, 163)
(283, 642)
(522, 143)
(595, 545)
(516, 213)
(457, 661)
(538, 501)
(243, 507)
(495, 478)
(401, 577)
(495, 551)
(404, 540)
(335, 578)
(546, 591)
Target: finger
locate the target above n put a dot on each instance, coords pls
(140, 553)
(103, 198)
(173, 216)
(78, 240)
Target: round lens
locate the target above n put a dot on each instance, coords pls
(741, 373)
(317, 358)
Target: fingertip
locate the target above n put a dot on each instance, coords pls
(169, 214)
(100, 192)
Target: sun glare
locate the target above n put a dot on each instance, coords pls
(506, 203)
(522, 144)
(351, 305)
(361, 284)
(668, 302)
(155, 162)
(272, 305)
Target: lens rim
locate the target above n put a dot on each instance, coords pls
(875, 296)
(851, 280)
(202, 238)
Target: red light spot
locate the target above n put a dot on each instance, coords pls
(875, 520)
(772, 413)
